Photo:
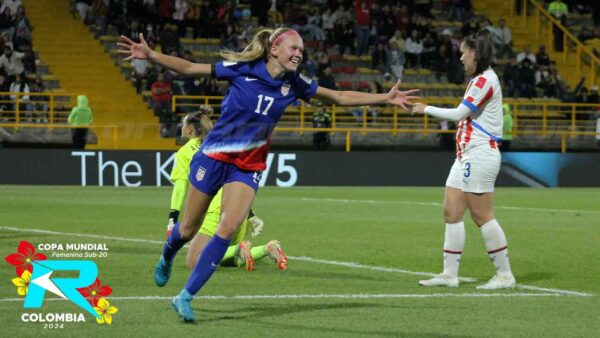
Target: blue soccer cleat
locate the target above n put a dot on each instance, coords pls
(162, 272)
(182, 305)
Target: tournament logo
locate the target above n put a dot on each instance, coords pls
(285, 89)
(35, 276)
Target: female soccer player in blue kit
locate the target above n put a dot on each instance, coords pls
(263, 81)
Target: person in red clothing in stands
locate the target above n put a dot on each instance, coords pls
(362, 10)
(161, 102)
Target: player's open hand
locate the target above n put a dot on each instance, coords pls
(419, 108)
(133, 50)
(402, 98)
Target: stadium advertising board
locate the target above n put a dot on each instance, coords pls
(287, 169)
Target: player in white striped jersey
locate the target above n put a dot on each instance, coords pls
(470, 184)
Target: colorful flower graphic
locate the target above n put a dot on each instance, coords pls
(22, 283)
(95, 291)
(23, 258)
(105, 311)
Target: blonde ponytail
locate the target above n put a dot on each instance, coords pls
(201, 120)
(258, 47)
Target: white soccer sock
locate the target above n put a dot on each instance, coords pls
(495, 242)
(453, 247)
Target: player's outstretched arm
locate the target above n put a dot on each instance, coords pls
(450, 114)
(133, 50)
(353, 98)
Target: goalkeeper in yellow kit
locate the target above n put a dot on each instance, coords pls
(240, 253)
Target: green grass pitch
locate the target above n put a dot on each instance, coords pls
(356, 255)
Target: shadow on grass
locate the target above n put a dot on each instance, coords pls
(265, 311)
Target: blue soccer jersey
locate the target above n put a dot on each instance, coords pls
(251, 108)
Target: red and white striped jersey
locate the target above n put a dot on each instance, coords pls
(484, 99)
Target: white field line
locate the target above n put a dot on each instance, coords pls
(437, 204)
(302, 258)
(325, 296)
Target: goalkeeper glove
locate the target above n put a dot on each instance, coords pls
(256, 224)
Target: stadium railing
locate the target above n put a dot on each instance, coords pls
(534, 14)
(540, 118)
(50, 111)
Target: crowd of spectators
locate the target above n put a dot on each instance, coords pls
(17, 61)
(396, 37)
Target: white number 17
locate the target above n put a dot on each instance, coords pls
(269, 101)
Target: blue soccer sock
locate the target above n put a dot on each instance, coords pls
(207, 263)
(174, 243)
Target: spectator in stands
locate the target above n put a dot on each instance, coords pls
(362, 12)
(99, 12)
(80, 118)
(165, 11)
(13, 5)
(559, 10)
(19, 90)
(510, 77)
(544, 82)
(326, 79)
(328, 20)
(140, 74)
(447, 140)
(274, 13)
(583, 112)
(150, 34)
(380, 59)
(22, 40)
(161, 102)
(40, 102)
(4, 99)
(542, 57)
(180, 10)
(526, 53)
(313, 26)
(22, 22)
(470, 27)
(504, 40)
(12, 63)
(321, 119)
(229, 39)
(83, 8)
(133, 30)
(168, 38)
(344, 35)
(526, 79)
(554, 88)
(7, 23)
(399, 40)
(441, 63)
(414, 47)
(507, 128)
(397, 60)
(309, 64)
(430, 44)
(458, 10)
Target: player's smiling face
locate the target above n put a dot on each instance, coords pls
(289, 52)
(468, 58)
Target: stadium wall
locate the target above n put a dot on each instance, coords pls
(301, 168)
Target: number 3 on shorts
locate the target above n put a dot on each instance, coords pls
(467, 169)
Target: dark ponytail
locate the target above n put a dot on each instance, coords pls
(482, 45)
(201, 120)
